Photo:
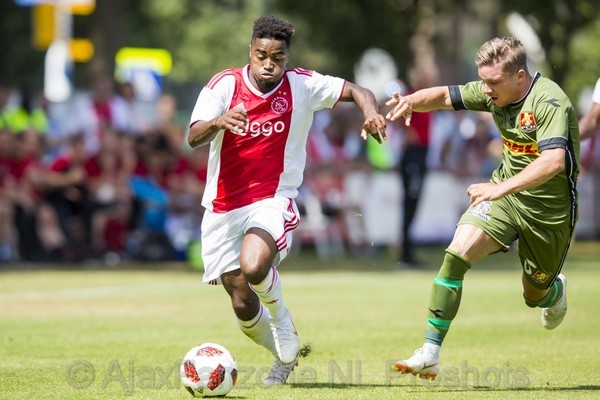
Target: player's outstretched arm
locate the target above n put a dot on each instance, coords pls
(589, 124)
(374, 123)
(429, 99)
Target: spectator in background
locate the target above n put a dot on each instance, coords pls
(68, 193)
(167, 123)
(5, 104)
(445, 146)
(142, 116)
(7, 148)
(38, 234)
(334, 152)
(465, 143)
(110, 195)
(25, 197)
(101, 109)
(157, 166)
(483, 146)
(7, 108)
(186, 186)
(413, 164)
(21, 111)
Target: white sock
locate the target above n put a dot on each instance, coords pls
(259, 330)
(433, 349)
(270, 294)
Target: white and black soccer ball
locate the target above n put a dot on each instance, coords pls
(208, 369)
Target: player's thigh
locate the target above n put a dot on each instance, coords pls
(472, 243)
(222, 237)
(484, 229)
(542, 252)
(272, 222)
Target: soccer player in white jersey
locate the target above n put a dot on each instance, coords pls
(256, 120)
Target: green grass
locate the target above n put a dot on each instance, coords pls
(112, 334)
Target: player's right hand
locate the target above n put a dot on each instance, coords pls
(233, 120)
(402, 108)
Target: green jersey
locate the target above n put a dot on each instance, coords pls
(543, 119)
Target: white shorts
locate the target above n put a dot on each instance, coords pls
(222, 234)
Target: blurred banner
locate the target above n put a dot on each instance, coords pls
(144, 68)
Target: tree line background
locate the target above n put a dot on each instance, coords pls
(205, 36)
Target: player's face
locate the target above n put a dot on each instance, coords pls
(502, 87)
(268, 59)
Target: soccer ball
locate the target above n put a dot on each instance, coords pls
(208, 370)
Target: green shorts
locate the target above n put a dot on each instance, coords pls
(542, 251)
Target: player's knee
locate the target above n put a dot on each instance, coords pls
(254, 273)
(254, 270)
(454, 266)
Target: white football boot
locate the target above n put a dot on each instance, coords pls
(279, 372)
(423, 364)
(553, 316)
(286, 338)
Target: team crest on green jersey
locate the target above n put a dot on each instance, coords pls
(540, 276)
(526, 121)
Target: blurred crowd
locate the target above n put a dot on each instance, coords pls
(107, 176)
(351, 197)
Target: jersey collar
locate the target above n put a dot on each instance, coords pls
(536, 76)
(254, 90)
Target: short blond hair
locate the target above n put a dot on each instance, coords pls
(507, 51)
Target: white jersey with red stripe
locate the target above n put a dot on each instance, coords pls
(268, 159)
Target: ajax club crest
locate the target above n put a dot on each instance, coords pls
(279, 105)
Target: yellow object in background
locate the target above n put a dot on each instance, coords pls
(82, 50)
(44, 26)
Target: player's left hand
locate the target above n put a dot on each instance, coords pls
(479, 192)
(374, 125)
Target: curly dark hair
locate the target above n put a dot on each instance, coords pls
(272, 27)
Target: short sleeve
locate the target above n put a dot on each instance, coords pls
(214, 100)
(469, 97)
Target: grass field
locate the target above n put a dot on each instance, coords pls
(110, 334)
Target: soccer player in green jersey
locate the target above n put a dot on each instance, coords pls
(531, 196)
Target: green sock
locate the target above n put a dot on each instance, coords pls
(550, 299)
(445, 297)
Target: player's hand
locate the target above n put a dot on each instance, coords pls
(374, 125)
(479, 192)
(402, 108)
(233, 120)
